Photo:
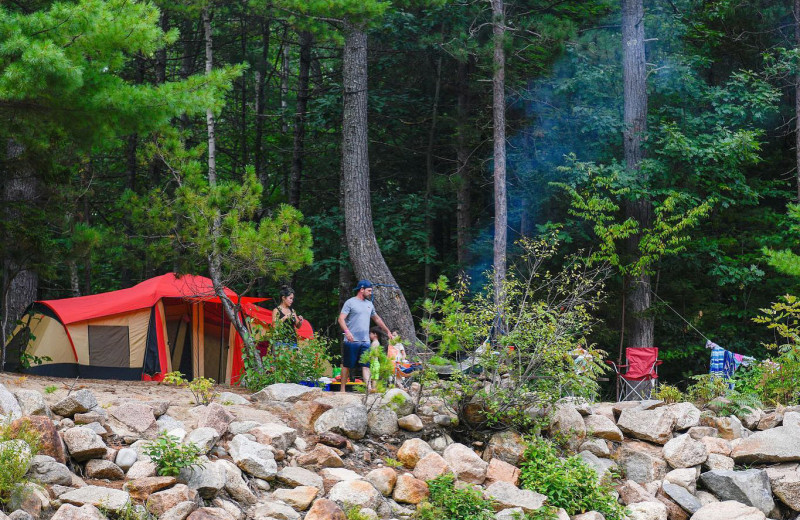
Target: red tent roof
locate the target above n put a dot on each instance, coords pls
(140, 296)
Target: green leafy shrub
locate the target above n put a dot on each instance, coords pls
(283, 364)
(170, 456)
(778, 377)
(568, 482)
(447, 501)
(544, 351)
(202, 388)
(707, 388)
(669, 394)
(50, 389)
(18, 445)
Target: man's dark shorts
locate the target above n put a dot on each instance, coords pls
(351, 353)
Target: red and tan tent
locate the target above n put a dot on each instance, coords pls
(163, 324)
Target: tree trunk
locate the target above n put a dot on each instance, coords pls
(499, 116)
(797, 98)
(284, 82)
(306, 41)
(365, 255)
(20, 285)
(462, 163)
(214, 260)
(635, 127)
(212, 143)
(430, 175)
(243, 107)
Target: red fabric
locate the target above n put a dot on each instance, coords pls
(641, 363)
(237, 363)
(140, 296)
(265, 317)
(162, 348)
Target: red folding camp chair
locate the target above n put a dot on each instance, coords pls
(637, 379)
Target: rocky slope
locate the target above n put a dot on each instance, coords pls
(291, 452)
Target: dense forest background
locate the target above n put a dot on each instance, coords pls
(91, 90)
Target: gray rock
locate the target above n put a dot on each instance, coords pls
(598, 447)
(785, 482)
(104, 469)
(180, 511)
(286, 392)
(208, 479)
(717, 461)
(642, 462)
(19, 514)
(602, 427)
(465, 464)
(654, 425)
(47, 470)
(346, 420)
(275, 511)
(253, 458)
(750, 487)
(126, 458)
(235, 485)
(682, 497)
(85, 512)
(77, 402)
(228, 398)
(215, 416)
(107, 498)
(204, 438)
(684, 477)
(32, 402)
(355, 493)
(728, 510)
(600, 466)
(83, 443)
(411, 423)
(299, 477)
(9, 407)
(398, 400)
(168, 423)
(781, 444)
(238, 427)
(382, 420)
(507, 495)
(647, 511)
(277, 435)
(684, 452)
(567, 420)
(686, 415)
(507, 446)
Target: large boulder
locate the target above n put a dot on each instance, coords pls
(507, 446)
(103, 469)
(320, 457)
(647, 511)
(409, 490)
(48, 470)
(107, 498)
(602, 427)
(433, 465)
(324, 509)
(135, 420)
(348, 420)
(398, 400)
(298, 498)
(506, 495)
(203, 438)
(208, 479)
(642, 462)
(293, 476)
(32, 402)
(498, 471)
(682, 497)
(781, 444)
(253, 458)
(465, 464)
(85, 512)
(9, 407)
(785, 482)
(356, 493)
(686, 415)
(728, 510)
(602, 467)
(383, 479)
(382, 420)
(50, 442)
(83, 443)
(684, 452)
(141, 489)
(78, 402)
(215, 416)
(277, 435)
(654, 425)
(286, 392)
(307, 412)
(412, 451)
(566, 420)
(160, 502)
(750, 487)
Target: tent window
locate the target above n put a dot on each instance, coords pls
(109, 346)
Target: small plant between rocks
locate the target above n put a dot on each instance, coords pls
(18, 445)
(170, 456)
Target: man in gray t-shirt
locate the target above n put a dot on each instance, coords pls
(354, 321)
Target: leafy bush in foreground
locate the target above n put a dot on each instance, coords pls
(18, 445)
(569, 482)
(170, 456)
